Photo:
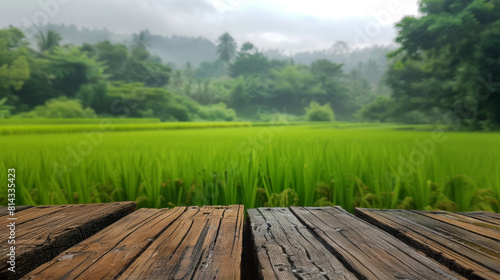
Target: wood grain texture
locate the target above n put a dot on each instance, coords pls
(476, 226)
(107, 253)
(465, 244)
(179, 243)
(371, 252)
(4, 210)
(45, 231)
(286, 249)
(492, 218)
(289, 243)
(204, 243)
(224, 259)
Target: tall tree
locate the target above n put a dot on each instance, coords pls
(248, 48)
(14, 65)
(249, 61)
(115, 57)
(447, 53)
(226, 47)
(340, 48)
(247, 64)
(324, 69)
(61, 73)
(141, 40)
(47, 42)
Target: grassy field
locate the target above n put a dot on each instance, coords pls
(32, 122)
(386, 166)
(108, 125)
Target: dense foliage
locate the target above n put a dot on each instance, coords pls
(120, 80)
(318, 113)
(448, 65)
(445, 72)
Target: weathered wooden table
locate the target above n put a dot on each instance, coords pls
(112, 241)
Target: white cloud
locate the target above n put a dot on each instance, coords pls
(328, 9)
(279, 24)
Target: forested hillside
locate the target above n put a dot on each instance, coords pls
(179, 50)
(445, 71)
(127, 79)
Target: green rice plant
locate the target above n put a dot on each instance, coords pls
(108, 125)
(41, 121)
(159, 165)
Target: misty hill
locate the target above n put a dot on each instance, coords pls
(179, 50)
(369, 63)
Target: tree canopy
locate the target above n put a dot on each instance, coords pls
(226, 47)
(449, 61)
(444, 72)
(47, 42)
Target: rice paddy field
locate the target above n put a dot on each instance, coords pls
(351, 165)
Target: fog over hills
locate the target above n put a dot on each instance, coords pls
(178, 50)
(183, 31)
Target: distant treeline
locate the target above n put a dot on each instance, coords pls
(49, 79)
(446, 71)
(180, 50)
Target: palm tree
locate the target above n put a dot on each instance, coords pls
(49, 41)
(142, 40)
(226, 47)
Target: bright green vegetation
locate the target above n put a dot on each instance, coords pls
(427, 78)
(111, 125)
(256, 166)
(32, 122)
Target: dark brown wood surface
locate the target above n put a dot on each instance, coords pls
(4, 210)
(179, 243)
(45, 231)
(286, 249)
(468, 245)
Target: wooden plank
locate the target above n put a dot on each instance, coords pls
(468, 223)
(492, 218)
(107, 253)
(4, 210)
(44, 232)
(204, 243)
(286, 249)
(38, 213)
(469, 253)
(224, 261)
(371, 252)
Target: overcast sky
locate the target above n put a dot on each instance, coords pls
(270, 24)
